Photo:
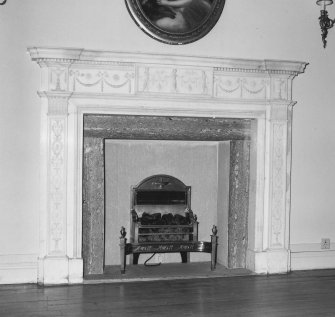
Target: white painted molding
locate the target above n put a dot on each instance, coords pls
(310, 247)
(60, 270)
(269, 261)
(99, 72)
(313, 260)
(18, 268)
(80, 55)
(310, 256)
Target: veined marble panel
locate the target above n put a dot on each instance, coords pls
(238, 203)
(93, 206)
(167, 128)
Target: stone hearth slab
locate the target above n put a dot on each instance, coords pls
(165, 271)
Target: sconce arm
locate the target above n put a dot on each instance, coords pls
(325, 23)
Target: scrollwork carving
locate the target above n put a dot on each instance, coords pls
(57, 187)
(278, 184)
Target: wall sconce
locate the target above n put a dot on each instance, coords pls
(325, 22)
(3, 2)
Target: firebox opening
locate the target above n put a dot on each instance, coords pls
(195, 163)
(210, 155)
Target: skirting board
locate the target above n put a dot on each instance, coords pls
(22, 268)
(18, 268)
(311, 257)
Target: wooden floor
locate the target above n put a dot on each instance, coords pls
(301, 293)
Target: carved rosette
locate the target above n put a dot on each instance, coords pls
(57, 151)
(278, 186)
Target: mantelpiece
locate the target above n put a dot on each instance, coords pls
(76, 82)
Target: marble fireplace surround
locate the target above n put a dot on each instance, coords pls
(77, 82)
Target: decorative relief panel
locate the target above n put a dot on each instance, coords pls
(230, 87)
(278, 185)
(279, 89)
(57, 185)
(58, 80)
(120, 81)
(174, 80)
(153, 79)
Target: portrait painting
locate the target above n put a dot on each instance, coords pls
(176, 21)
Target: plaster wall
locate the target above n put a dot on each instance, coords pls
(247, 29)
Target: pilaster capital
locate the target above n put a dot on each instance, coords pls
(279, 111)
(57, 102)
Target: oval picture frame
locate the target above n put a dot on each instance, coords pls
(175, 22)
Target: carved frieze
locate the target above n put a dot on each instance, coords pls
(108, 73)
(123, 79)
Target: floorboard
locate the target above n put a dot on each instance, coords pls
(302, 293)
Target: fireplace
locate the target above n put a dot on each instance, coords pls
(89, 98)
